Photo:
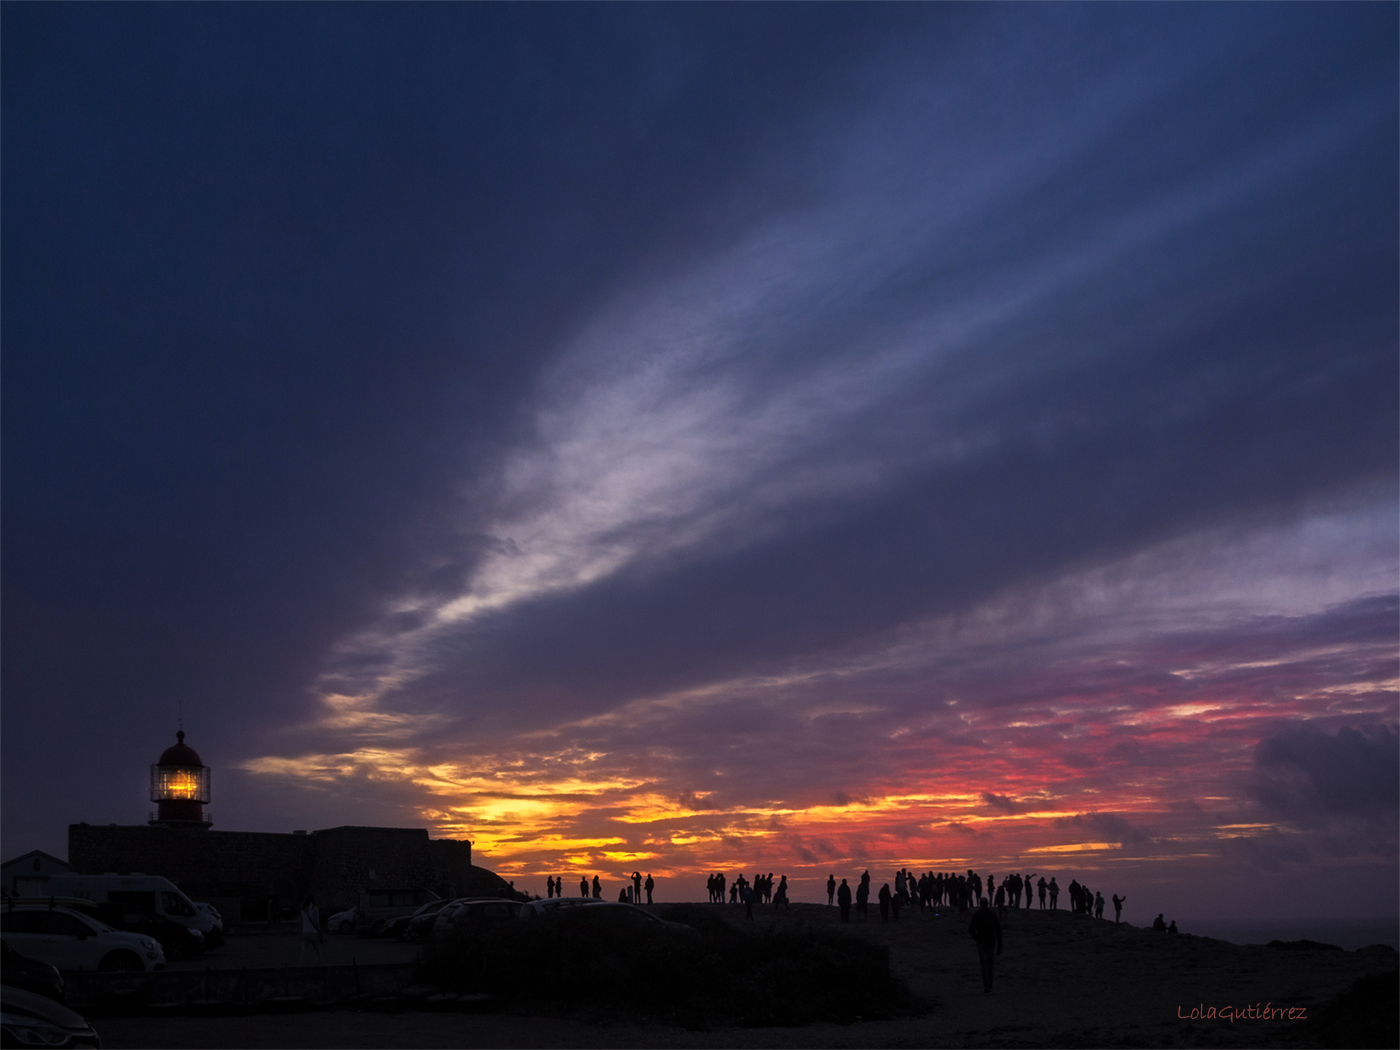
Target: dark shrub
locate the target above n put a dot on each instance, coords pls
(575, 961)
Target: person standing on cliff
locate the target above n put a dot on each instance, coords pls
(985, 930)
(650, 885)
(597, 889)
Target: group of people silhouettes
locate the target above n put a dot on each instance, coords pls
(630, 894)
(964, 892)
(742, 891)
(927, 890)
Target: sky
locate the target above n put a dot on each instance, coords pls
(715, 438)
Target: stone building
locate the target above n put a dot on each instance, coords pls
(250, 875)
(30, 873)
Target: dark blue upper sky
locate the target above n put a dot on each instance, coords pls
(396, 382)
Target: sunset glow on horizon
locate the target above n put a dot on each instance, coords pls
(695, 438)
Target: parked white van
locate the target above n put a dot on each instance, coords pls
(152, 892)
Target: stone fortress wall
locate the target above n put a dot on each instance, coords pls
(252, 876)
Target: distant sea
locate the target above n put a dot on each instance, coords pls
(1345, 933)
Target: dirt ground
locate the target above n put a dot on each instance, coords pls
(1062, 981)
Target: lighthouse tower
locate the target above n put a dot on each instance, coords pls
(180, 787)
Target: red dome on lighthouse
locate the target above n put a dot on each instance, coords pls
(180, 753)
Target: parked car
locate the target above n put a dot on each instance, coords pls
(20, 971)
(473, 913)
(176, 940)
(554, 905)
(343, 921)
(617, 913)
(68, 938)
(152, 892)
(415, 927)
(378, 908)
(27, 1019)
(212, 914)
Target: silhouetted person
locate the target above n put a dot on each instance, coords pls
(749, 893)
(985, 929)
(311, 935)
(1159, 924)
(884, 897)
(624, 895)
(863, 899)
(597, 889)
(1118, 907)
(583, 886)
(781, 897)
(1054, 893)
(649, 887)
(734, 892)
(843, 898)
(1172, 927)
(1098, 905)
(636, 887)
(549, 886)
(1041, 887)
(830, 890)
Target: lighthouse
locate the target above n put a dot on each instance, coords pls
(180, 787)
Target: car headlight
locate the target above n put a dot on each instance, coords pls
(31, 1031)
(146, 942)
(198, 934)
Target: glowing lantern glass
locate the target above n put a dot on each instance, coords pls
(180, 786)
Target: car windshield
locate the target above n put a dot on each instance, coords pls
(175, 904)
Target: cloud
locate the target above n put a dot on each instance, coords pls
(1110, 826)
(853, 414)
(1309, 776)
(1001, 802)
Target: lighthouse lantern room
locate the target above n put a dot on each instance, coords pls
(180, 786)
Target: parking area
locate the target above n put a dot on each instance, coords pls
(284, 948)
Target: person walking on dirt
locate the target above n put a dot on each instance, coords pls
(985, 930)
